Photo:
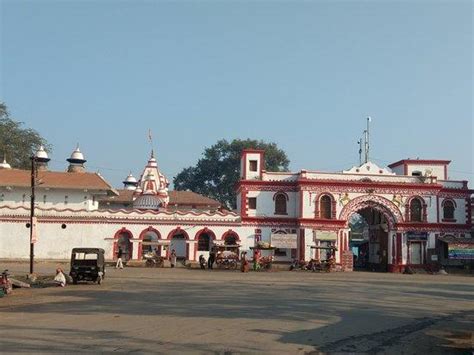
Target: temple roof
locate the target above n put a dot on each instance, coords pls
(180, 198)
(55, 179)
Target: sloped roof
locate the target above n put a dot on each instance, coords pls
(55, 179)
(180, 198)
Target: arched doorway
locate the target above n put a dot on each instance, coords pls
(231, 241)
(369, 244)
(123, 240)
(149, 240)
(205, 242)
(178, 241)
(371, 220)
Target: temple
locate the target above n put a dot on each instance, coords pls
(380, 218)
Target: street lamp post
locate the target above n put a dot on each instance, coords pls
(39, 157)
(32, 211)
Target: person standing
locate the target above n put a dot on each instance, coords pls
(212, 258)
(173, 258)
(119, 258)
(202, 262)
(244, 266)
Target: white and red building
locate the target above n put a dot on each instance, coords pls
(412, 212)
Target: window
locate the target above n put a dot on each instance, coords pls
(203, 242)
(230, 240)
(415, 210)
(416, 173)
(253, 165)
(325, 207)
(252, 203)
(280, 204)
(448, 209)
(65, 199)
(44, 198)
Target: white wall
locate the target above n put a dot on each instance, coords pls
(266, 204)
(55, 198)
(436, 170)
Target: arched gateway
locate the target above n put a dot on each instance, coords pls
(372, 221)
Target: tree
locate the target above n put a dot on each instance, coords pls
(17, 143)
(217, 173)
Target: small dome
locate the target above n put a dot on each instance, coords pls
(130, 183)
(148, 202)
(41, 153)
(130, 179)
(77, 157)
(5, 165)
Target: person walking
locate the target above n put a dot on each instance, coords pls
(173, 258)
(119, 258)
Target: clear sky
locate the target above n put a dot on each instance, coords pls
(303, 74)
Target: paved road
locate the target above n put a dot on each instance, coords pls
(195, 311)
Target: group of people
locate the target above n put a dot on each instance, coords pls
(244, 263)
(210, 261)
(119, 264)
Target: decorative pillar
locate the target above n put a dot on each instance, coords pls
(301, 245)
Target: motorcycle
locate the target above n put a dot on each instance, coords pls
(5, 284)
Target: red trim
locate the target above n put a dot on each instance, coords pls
(449, 199)
(348, 185)
(446, 172)
(399, 249)
(317, 203)
(207, 231)
(230, 232)
(142, 235)
(174, 232)
(424, 213)
(117, 234)
(301, 204)
(437, 208)
(280, 193)
(301, 245)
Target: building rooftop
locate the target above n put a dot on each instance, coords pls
(56, 179)
(180, 198)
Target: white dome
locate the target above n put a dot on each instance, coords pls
(148, 202)
(77, 155)
(41, 153)
(130, 178)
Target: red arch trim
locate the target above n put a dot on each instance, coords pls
(229, 233)
(142, 235)
(281, 193)
(450, 200)
(317, 204)
(178, 230)
(205, 230)
(122, 230)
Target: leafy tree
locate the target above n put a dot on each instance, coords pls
(17, 143)
(217, 173)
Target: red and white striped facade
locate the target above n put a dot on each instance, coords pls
(367, 186)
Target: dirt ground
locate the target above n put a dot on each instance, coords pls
(194, 311)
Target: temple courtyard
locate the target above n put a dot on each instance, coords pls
(195, 311)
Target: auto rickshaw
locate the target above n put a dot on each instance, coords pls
(87, 264)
